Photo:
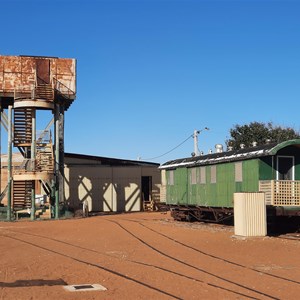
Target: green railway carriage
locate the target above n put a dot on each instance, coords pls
(203, 187)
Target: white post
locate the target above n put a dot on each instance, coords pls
(196, 150)
(195, 136)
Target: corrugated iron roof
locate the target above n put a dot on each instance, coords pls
(234, 155)
(106, 161)
(110, 161)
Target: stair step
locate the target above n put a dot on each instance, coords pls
(44, 91)
(22, 126)
(45, 158)
(22, 194)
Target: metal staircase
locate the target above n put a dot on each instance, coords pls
(22, 139)
(43, 162)
(30, 87)
(22, 194)
(44, 91)
(22, 126)
(44, 158)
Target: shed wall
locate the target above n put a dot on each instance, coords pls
(107, 188)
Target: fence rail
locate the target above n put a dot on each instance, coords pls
(281, 192)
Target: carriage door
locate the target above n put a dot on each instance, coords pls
(285, 168)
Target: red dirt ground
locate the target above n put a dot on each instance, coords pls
(143, 256)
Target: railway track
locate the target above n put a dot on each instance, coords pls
(37, 243)
(290, 236)
(257, 292)
(182, 261)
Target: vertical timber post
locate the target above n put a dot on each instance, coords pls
(59, 157)
(9, 171)
(61, 153)
(56, 159)
(33, 161)
(0, 148)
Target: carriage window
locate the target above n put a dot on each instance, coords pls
(213, 174)
(171, 178)
(238, 171)
(194, 176)
(202, 176)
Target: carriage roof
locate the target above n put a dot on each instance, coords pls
(228, 156)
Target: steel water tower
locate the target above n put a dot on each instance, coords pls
(29, 84)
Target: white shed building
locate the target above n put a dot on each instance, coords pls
(101, 184)
(109, 184)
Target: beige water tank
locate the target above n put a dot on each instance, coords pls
(250, 217)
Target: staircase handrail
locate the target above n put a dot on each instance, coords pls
(45, 131)
(2, 195)
(27, 165)
(23, 93)
(4, 120)
(47, 186)
(43, 137)
(38, 78)
(62, 89)
(44, 158)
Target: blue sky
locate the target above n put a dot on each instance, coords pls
(150, 72)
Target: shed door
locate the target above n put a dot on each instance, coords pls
(285, 168)
(43, 71)
(146, 189)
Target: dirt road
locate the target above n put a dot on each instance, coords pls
(143, 256)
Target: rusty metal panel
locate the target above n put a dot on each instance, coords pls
(28, 81)
(67, 81)
(12, 64)
(11, 81)
(1, 72)
(11, 73)
(43, 71)
(1, 80)
(28, 73)
(65, 66)
(28, 65)
(20, 71)
(53, 63)
(1, 63)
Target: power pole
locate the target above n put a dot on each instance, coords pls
(195, 136)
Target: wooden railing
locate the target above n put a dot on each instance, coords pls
(44, 90)
(163, 193)
(22, 93)
(281, 192)
(44, 161)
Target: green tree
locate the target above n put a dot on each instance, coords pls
(259, 133)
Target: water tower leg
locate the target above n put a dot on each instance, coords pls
(33, 159)
(9, 167)
(61, 154)
(56, 160)
(59, 157)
